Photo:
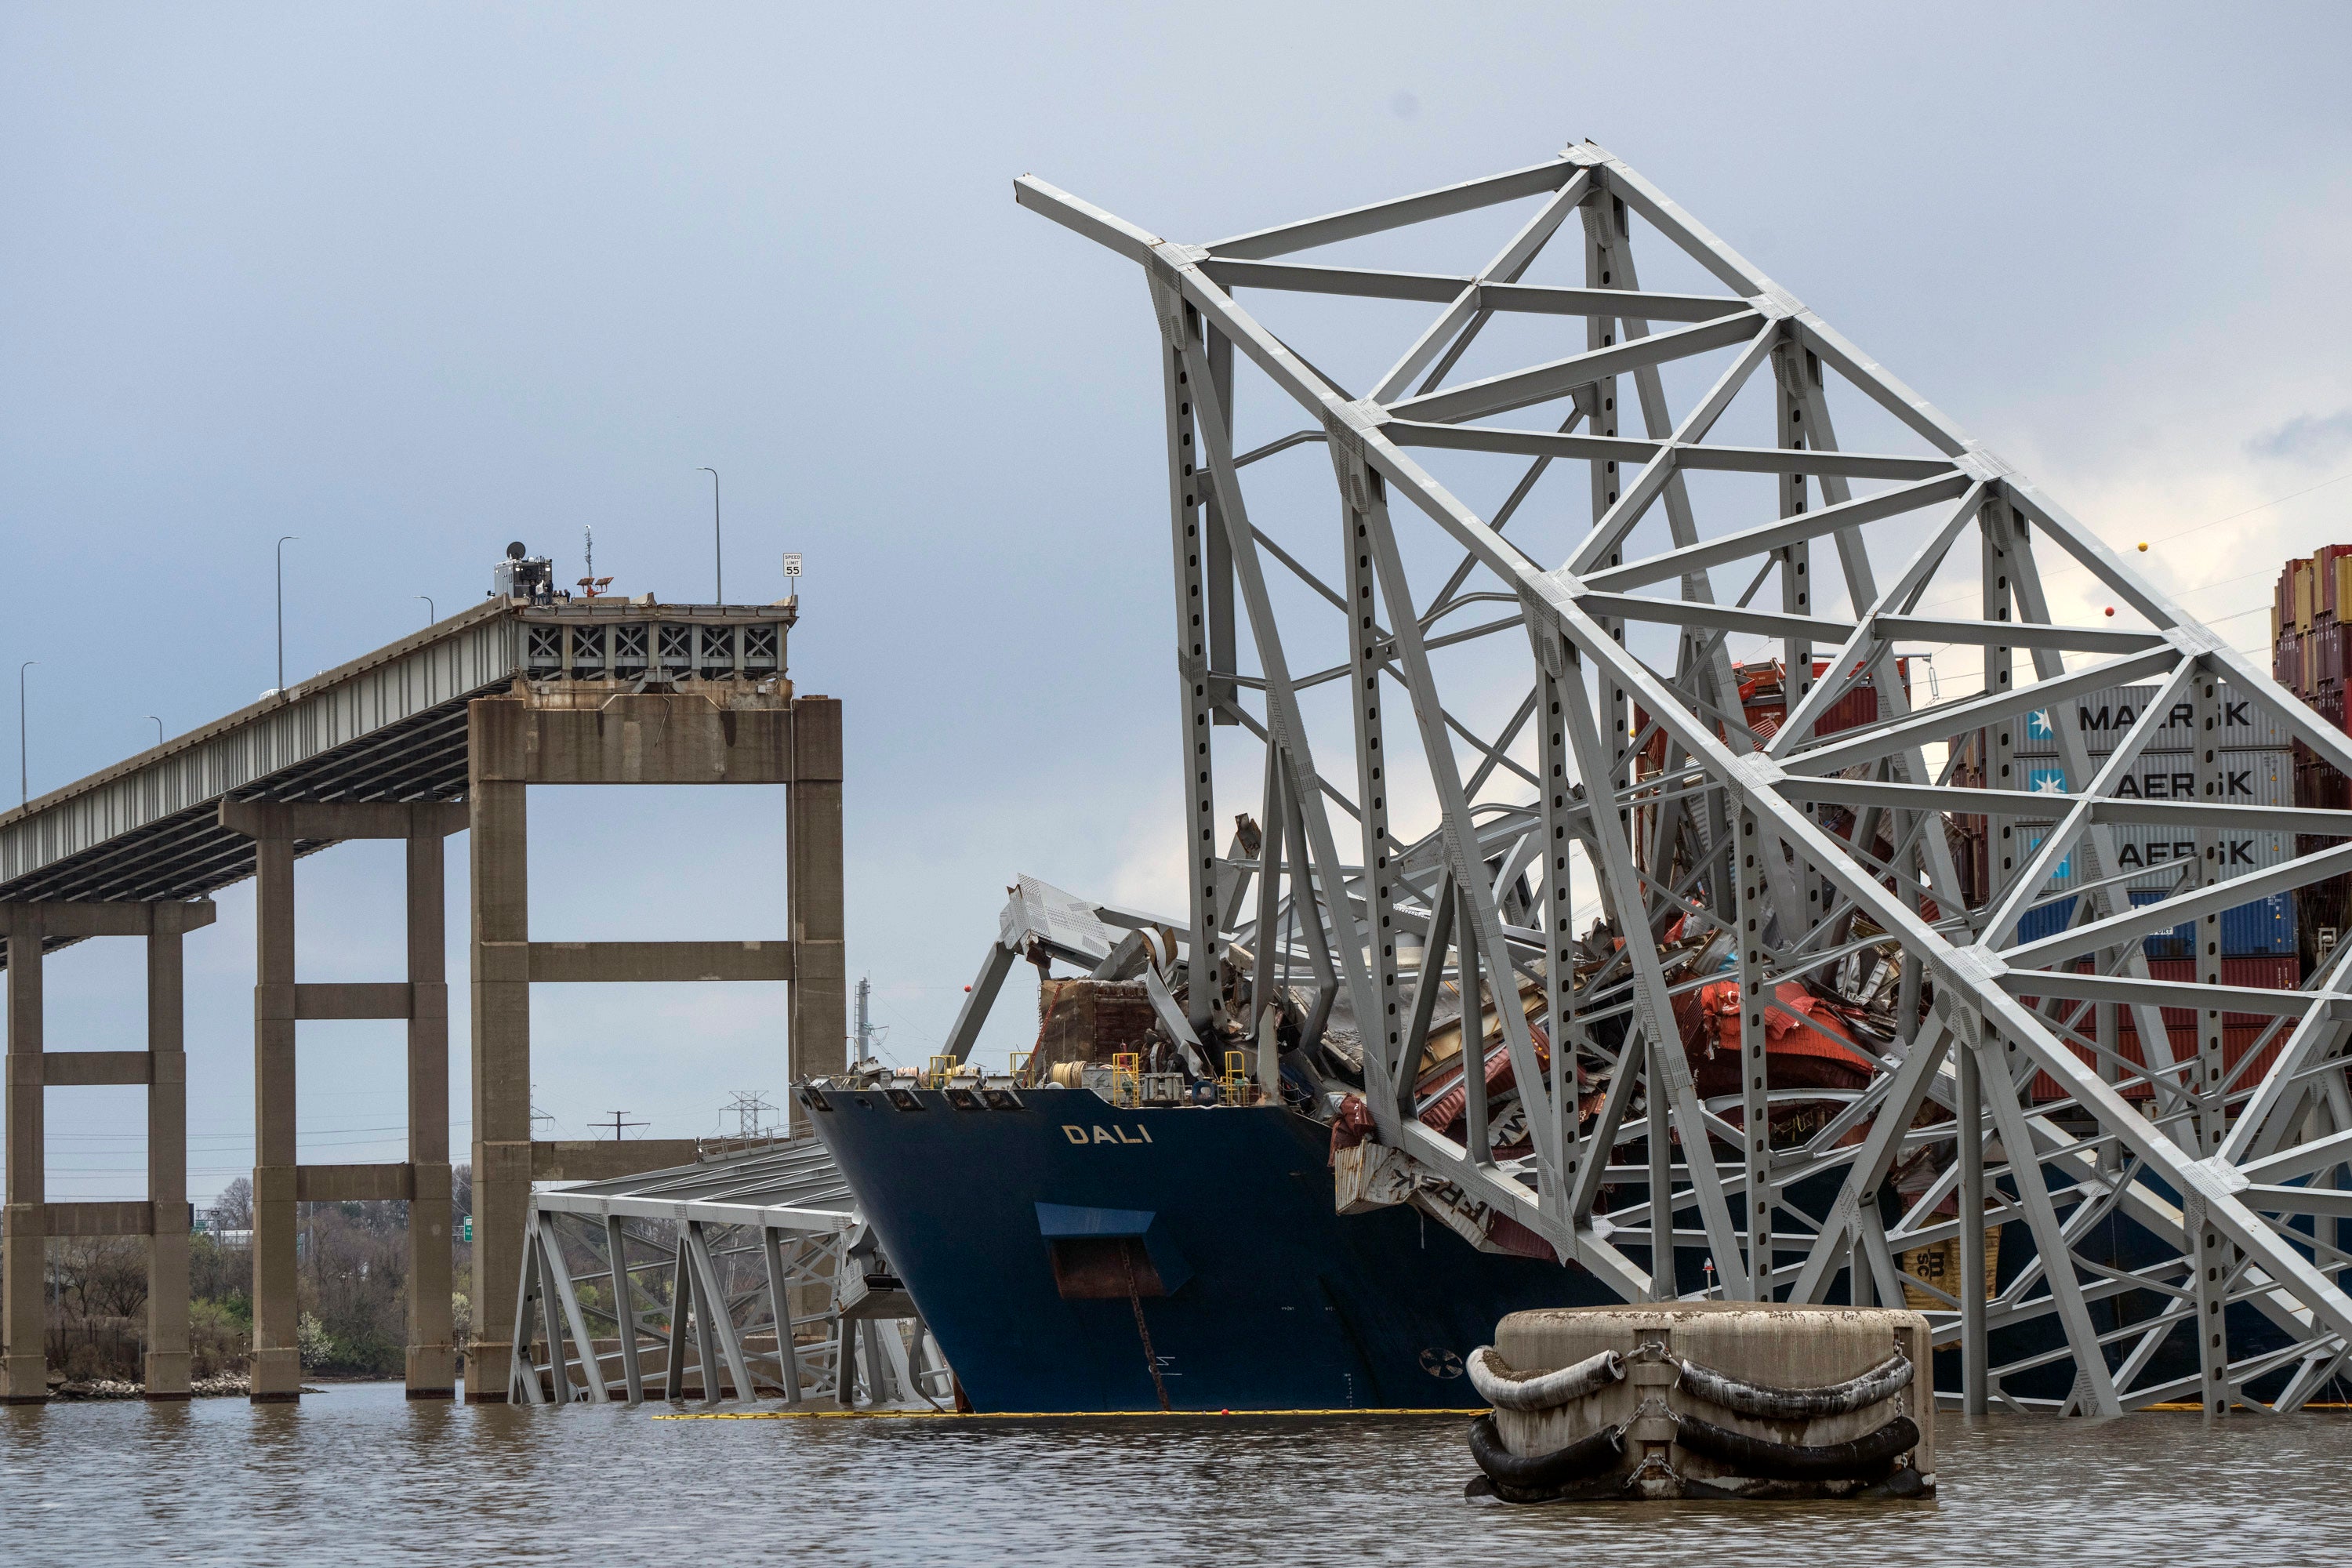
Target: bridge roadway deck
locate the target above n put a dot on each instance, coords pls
(385, 747)
(389, 726)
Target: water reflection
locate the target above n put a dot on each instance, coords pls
(359, 1476)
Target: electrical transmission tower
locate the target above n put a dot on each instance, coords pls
(755, 1115)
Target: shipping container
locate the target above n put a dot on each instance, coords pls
(2261, 974)
(2237, 1044)
(2104, 717)
(2312, 590)
(2153, 854)
(2261, 927)
(2311, 649)
(2318, 784)
(2245, 778)
(2323, 657)
(1766, 705)
(2328, 703)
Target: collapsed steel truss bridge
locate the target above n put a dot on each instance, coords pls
(1608, 755)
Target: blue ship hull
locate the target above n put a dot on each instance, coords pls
(1273, 1300)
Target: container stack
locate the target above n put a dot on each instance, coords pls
(1763, 694)
(1764, 701)
(2307, 638)
(2308, 632)
(2257, 769)
(2258, 937)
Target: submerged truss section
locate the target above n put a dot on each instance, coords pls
(749, 1274)
(1492, 677)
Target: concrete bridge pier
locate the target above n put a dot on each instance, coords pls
(281, 1182)
(591, 732)
(163, 1218)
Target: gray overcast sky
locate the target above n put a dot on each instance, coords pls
(409, 281)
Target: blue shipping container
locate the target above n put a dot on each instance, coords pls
(2263, 928)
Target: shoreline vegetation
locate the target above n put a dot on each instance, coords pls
(352, 1296)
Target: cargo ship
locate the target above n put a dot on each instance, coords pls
(1080, 1236)
(1129, 1218)
(1070, 1254)
(1112, 1224)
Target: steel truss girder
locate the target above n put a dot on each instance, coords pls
(1727, 837)
(701, 1266)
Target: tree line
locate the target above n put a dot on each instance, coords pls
(352, 1285)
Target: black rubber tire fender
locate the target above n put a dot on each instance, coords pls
(1581, 1461)
(1882, 1382)
(1866, 1457)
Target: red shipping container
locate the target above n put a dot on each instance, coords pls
(2235, 1046)
(1766, 706)
(2323, 594)
(2322, 658)
(1858, 709)
(2239, 1030)
(2261, 973)
(2328, 703)
(2318, 785)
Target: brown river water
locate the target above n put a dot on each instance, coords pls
(357, 1475)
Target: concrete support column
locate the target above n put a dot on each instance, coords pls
(820, 987)
(277, 1361)
(23, 1324)
(625, 738)
(167, 1164)
(499, 847)
(432, 1357)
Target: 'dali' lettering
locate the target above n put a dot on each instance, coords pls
(1112, 1134)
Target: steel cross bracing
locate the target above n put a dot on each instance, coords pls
(1495, 794)
(751, 1267)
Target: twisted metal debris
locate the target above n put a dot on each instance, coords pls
(1574, 727)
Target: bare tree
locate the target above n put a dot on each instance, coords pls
(232, 1210)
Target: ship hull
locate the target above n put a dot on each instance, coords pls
(1272, 1300)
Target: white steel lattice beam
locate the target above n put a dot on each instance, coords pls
(1848, 865)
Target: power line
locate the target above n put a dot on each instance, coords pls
(2249, 511)
(2073, 566)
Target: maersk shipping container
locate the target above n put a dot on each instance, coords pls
(2245, 777)
(2263, 927)
(2156, 856)
(2105, 718)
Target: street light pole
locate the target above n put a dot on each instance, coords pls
(282, 540)
(718, 553)
(431, 615)
(159, 726)
(24, 767)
